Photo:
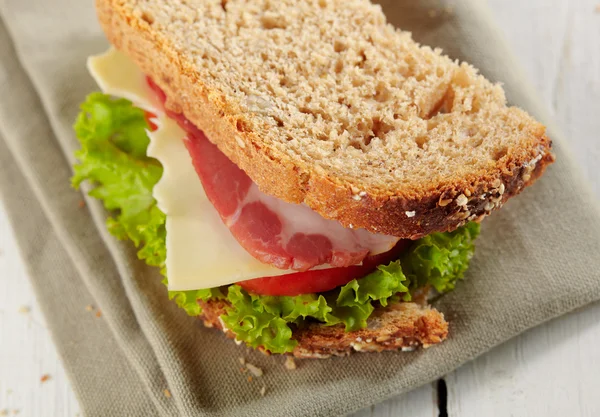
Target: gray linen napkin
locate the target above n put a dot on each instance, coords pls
(536, 259)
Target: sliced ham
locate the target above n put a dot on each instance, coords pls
(285, 235)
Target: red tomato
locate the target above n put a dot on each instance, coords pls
(321, 280)
(149, 116)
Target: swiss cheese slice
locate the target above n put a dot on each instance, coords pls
(201, 251)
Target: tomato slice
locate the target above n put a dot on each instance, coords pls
(149, 116)
(321, 280)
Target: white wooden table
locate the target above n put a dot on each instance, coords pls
(553, 370)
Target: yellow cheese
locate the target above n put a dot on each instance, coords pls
(201, 252)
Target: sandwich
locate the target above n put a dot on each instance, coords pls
(306, 176)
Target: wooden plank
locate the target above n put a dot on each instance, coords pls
(558, 44)
(549, 371)
(421, 402)
(553, 369)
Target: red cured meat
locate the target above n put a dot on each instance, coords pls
(285, 235)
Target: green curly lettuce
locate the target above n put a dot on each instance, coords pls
(113, 159)
(113, 156)
(264, 320)
(440, 259)
(355, 301)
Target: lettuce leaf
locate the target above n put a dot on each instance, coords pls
(188, 300)
(354, 303)
(263, 320)
(441, 259)
(113, 159)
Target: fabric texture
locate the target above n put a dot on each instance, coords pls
(535, 260)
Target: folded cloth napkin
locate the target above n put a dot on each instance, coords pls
(535, 260)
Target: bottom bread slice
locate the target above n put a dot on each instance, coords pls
(404, 326)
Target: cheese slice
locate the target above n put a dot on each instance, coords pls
(201, 251)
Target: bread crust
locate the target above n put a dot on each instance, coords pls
(413, 214)
(401, 326)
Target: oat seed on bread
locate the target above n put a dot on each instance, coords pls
(323, 102)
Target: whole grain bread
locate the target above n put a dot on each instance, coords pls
(322, 102)
(400, 326)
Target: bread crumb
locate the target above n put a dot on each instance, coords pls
(598, 8)
(89, 307)
(263, 390)
(290, 363)
(4, 412)
(254, 370)
(249, 379)
(242, 361)
(24, 310)
(98, 313)
(15, 411)
(45, 378)
(167, 393)
(81, 203)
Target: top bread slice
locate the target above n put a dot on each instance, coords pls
(322, 102)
